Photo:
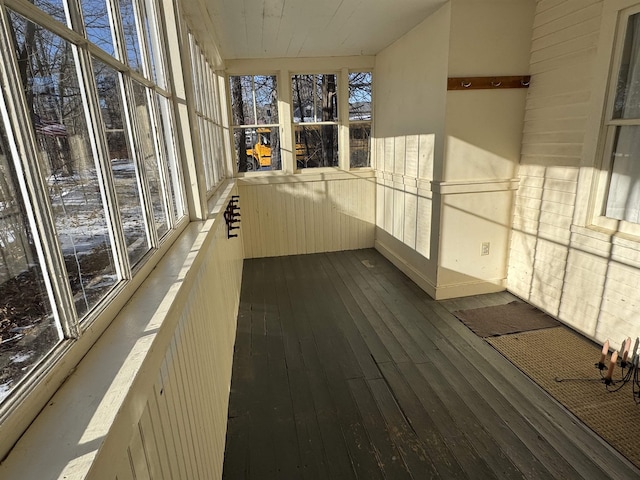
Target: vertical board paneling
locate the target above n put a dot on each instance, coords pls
(410, 215)
(181, 432)
(308, 216)
(162, 427)
(154, 447)
(403, 206)
(138, 457)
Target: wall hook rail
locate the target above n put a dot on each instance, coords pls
(232, 216)
(479, 83)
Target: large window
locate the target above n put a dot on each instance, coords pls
(90, 179)
(322, 120)
(207, 106)
(623, 129)
(315, 119)
(254, 113)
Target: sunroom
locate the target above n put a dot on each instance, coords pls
(156, 156)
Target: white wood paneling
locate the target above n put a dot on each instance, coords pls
(319, 213)
(280, 28)
(181, 432)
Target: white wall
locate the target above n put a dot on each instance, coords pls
(483, 131)
(446, 161)
(585, 276)
(410, 95)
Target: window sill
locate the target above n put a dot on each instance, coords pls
(307, 175)
(608, 233)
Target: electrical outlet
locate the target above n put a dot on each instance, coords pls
(485, 248)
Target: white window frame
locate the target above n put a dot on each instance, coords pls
(233, 126)
(598, 147)
(286, 68)
(349, 122)
(342, 103)
(208, 116)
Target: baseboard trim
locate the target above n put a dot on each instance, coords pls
(409, 270)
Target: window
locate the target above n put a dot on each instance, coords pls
(256, 133)
(315, 120)
(360, 119)
(623, 130)
(90, 179)
(328, 118)
(126, 174)
(28, 331)
(207, 107)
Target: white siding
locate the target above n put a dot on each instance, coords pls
(584, 276)
(564, 44)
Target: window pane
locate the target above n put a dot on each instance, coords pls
(627, 103)
(266, 99)
(316, 146)
(96, 16)
(218, 151)
(55, 8)
(166, 138)
(152, 33)
(314, 98)
(623, 201)
(125, 174)
(242, 100)
(261, 147)
(204, 151)
(360, 145)
(53, 95)
(360, 96)
(254, 99)
(27, 328)
(150, 158)
(130, 30)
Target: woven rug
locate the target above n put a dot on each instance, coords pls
(502, 319)
(563, 363)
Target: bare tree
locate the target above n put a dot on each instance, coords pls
(328, 115)
(237, 105)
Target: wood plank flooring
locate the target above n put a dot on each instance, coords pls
(345, 369)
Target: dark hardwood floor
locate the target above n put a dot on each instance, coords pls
(344, 368)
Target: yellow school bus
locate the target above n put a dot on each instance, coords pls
(259, 155)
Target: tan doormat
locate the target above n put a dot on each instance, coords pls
(563, 363)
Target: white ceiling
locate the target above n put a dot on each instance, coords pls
(312, 28)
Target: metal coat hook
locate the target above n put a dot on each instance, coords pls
(495, 83)
(232, 216)
(465, 84)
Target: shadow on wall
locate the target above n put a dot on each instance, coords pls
(585, 277)
(459, 226)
